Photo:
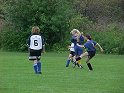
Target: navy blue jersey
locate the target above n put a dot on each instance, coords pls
(74, 40)
(90, 45)
(81, 40)
(78, 50)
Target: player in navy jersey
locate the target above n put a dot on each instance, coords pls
(36, 45)
(71, 56)
(75, 50)
(78, 49)
(91, 50)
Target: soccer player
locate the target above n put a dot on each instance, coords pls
(71, 56)
(91, 50)
(36, 46)
(78, 49)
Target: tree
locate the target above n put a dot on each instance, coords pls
(52, 16)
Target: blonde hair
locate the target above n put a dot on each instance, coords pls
(75, 31)
(35, 30)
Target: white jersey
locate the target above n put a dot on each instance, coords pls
(72, 47)
(36, 42)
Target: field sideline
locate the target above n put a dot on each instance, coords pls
(16, 74)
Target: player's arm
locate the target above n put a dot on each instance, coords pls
(82, 33)
(43, 42)
(43, 49)
(81, 46)
(101, 49)
(69, 47)
(28, 41)
(78, 39)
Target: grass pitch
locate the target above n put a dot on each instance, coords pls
(17, 76)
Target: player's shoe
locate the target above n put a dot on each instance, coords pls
(80, 66)
(90, 70)
(67, 65)
(39, 72)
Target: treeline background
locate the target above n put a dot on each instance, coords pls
(103, 19)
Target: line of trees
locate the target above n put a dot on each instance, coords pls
(103, 19)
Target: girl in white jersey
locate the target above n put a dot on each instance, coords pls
(36, 46)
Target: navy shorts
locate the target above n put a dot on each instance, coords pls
(34, 54)
(78, 50)
(91, 54)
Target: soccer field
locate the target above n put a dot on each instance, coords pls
(17, 76)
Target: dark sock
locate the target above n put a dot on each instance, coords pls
(35, 68)
(67, 63)
(39, 66)
(77, 64)
(78, 58)
(89, 66)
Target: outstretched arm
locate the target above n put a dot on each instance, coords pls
(43, 42)
(81, 46)
(28, 42)
(101, 49)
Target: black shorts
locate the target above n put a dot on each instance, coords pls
(72, 53)
(34, 54)
(91, 54)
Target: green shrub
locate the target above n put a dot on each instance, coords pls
(111, 40)
(12, 40)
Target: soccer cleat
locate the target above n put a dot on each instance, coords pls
(80, 66)
(67, 65)
(39, 73)
(90, 70)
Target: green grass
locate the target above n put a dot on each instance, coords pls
(17, 76)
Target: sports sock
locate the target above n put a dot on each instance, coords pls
(39, 66)
(78, 58)
(89, 66)
(67, 63)
(79, 62)
(35, 67)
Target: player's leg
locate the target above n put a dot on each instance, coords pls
(89, 64)
(33, 58)
(76, 54)
(81, 56)
(79, 62)
(74, 61)
(35, 66)
(39, 65)
(35, 55)
(38, 62)
(73, 57)
(80, 52)
(90, 56)
(68, 60)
